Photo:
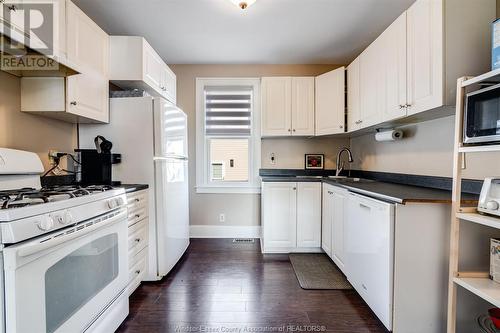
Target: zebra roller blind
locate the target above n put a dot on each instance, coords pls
(228, 111)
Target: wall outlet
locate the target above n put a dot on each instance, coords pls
(272, 158)
(52, 156)
(222, 217)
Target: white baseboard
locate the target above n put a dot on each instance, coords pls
(218, 231)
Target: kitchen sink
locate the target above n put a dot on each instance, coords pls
(343, 179)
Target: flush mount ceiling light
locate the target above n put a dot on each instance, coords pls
(243, 4)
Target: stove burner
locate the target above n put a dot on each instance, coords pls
(29, 196)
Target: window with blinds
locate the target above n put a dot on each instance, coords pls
(228, 111)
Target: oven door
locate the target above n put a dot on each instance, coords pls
(482, 116)
(63, 281)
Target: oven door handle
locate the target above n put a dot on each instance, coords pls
(38, 247)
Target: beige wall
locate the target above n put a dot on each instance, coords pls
(427, 149)
(289, 153)
(24, 131)
(241, 209)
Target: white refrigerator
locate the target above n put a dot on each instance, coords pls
(151, 135)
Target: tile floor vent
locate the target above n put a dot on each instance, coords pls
(243, 240)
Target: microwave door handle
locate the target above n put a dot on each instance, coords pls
(35, 248)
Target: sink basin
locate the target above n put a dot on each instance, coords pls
(305, 177)
(343, 179)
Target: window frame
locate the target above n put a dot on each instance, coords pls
(203, 179)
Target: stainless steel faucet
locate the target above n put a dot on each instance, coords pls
(340, 166)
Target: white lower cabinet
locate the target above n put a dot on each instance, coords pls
(138, 231)
(384, 250)
(333, 220)
(291, 217)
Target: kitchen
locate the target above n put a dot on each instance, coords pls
(189, 185)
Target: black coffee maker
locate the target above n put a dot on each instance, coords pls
(95, 166)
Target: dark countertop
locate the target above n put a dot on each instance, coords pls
(130, 188)
(396, 193)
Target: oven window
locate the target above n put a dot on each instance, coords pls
(78, 277)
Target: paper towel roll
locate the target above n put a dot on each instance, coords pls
(389, 135)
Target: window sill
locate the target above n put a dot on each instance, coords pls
(227, 190)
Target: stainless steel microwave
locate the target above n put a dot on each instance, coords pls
(482, 116)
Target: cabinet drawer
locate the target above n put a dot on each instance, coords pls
(137, 215)
(137, 238)
(137, 271)
(137, 200)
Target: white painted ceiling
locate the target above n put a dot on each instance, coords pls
(269, 32)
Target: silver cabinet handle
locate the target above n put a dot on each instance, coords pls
(294, 130)
(341, 126)
(12, 8)
(295, 189)
(137, 240)
(73, 103)
(289, 130)
(137, 200)
(138, 272)
(137, 216)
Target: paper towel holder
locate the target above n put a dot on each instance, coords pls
(388, 134)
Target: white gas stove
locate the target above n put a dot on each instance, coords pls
(64, 251)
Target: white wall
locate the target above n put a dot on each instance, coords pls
(243, 209)
(427, 149)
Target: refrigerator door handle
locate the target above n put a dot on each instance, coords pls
(171, 157)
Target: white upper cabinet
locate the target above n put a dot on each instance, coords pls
(141, 68)
(369, 73)
(353, 96)
(330, 102)
(303, 106)
(81, 98)
(276, 106)
(413, 66)
(393, 71)
(87, 44)
(425, 55)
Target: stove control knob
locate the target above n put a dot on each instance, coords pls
(68, 218)
(59, 218)
(120, 201)
(111, 203)
(46, 223)
(492, 205)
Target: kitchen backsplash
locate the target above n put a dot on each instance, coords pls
(290, 152)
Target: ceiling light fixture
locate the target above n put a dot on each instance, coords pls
(243, 4)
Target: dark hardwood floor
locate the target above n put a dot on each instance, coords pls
(219, 286)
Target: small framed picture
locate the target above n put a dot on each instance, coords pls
(315, 161)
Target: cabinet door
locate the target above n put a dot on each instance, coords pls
(279, 216)
(370, 70)
(276, 106)
(337, 202)
(309, 215)
(87, 96)
(425, 55)
(303, 106)
(326, 220)
(393, 98)
(330, 102)
(154, 69)
(353, 96)
(87, 44)
(170, 85)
